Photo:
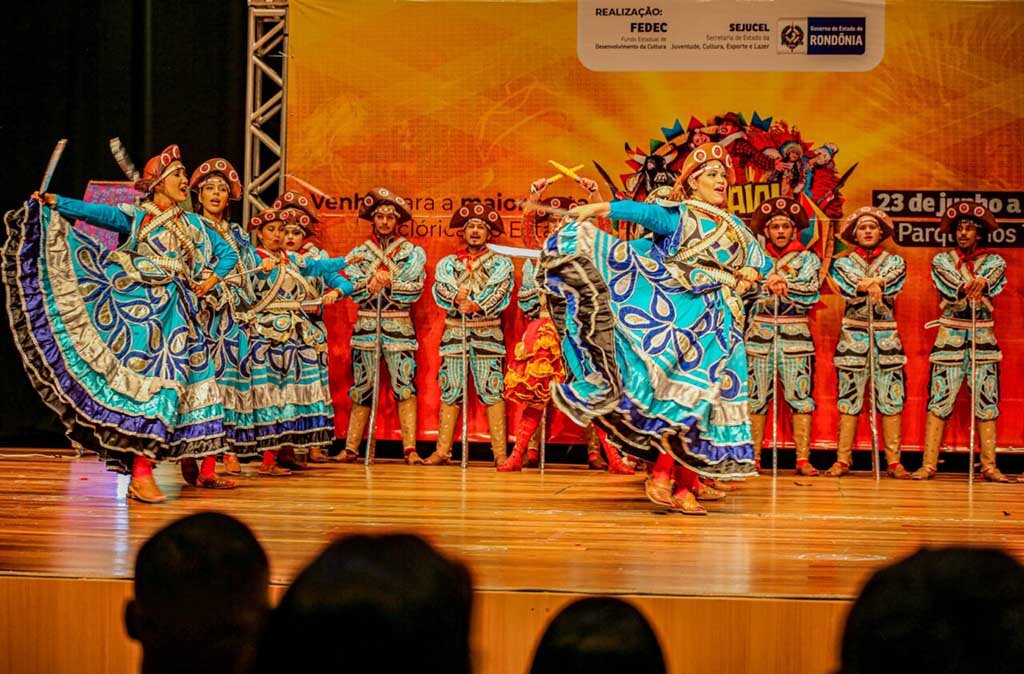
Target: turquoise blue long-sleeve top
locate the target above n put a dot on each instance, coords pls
(127, 219)
(679, 226)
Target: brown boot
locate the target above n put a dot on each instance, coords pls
(757, 424)
(933, 429)
(658, 490)
(594, 459)
(445, 432)
(892, 439)
(407, 422)
(987, 440)
(705, 492)
(844, 446)
(497, 427)
(356, 427)
(685, 502)
(286, 459)
(231, 465)
(144, 489)
(802, 442)
(189, 470)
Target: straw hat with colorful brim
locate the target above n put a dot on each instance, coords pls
(543, 211)
(703, 154)
(299, 208)
(265, 217)
(158, 168)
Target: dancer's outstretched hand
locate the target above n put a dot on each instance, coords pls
(45, 198)
(585, 211)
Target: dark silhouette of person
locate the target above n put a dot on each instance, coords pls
(954, 610)
(383, 604)
(201, 597)
(599, 635)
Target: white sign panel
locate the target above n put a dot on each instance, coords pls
(731, 35)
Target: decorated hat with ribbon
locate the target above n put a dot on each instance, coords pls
(848, 231)
(217, 167)
(479, 212)
(158, 168)
(298, 209)
(382, 199)
(703, 154)
(778, 207)
(967, 210)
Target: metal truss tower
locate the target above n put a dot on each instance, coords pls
(266, 97)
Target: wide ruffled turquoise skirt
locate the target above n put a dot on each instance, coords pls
(659, 367)
(119, 356)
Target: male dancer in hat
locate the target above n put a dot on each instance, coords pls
(869, 279)
(473, 287)
(967, 278)
(388, 273)
(779, 344)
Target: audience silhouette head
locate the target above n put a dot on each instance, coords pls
(384, 604)
(201, 596)
(599, 635)
(939, 611)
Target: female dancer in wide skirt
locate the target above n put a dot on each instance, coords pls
(239, 358)
(297, 344)
(110, 338)
(653, 330)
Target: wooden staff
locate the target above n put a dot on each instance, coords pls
(371, 435)
(974, 393)
(871, 383)
(775, 390)
(465, 395)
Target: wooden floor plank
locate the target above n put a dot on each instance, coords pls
(566, 530)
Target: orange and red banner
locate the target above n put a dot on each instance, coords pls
(444, 101)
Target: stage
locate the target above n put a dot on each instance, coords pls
(760, 585)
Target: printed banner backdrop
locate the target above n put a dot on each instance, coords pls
(443, 101)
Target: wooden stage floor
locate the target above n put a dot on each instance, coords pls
(534, 540)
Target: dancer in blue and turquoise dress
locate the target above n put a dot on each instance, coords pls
(653, 330)
(299, 234)
(303, 404)
(239, 359)
(110, 337)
